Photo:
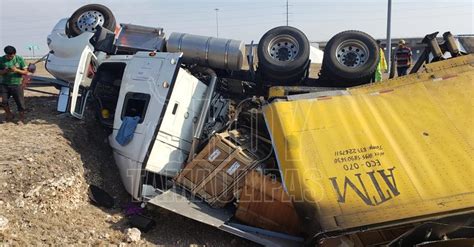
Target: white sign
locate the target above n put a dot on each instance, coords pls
(214, 155)
(233, 168)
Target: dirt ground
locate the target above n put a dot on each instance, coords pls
(46, 166)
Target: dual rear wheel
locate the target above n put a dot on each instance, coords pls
(350, 57)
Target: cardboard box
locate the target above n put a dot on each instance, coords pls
(263, 203)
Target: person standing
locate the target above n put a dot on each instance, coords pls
(403, 58)
(382, 66)
(12, 68)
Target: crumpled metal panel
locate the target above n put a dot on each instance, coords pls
(387, 152)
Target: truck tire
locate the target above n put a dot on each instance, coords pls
(88, 17)
(350, 59)
(282, 54)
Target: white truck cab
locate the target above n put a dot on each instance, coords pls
(152, 86)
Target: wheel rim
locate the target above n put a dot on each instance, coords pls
(352, 53)
(90, 20)
(283, 48)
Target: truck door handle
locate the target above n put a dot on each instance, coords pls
(175, 108)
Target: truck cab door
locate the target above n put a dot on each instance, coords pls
(85, 73)
(146, 84)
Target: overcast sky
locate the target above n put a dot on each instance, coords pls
(29, 22)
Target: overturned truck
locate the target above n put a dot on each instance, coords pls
(266, 152)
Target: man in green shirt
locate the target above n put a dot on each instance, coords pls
(12, 68)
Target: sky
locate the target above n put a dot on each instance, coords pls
(24, 23)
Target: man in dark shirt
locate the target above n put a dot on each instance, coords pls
(403, 58)
(12, 68)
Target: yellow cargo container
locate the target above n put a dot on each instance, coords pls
(383, 154)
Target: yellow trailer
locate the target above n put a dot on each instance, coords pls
(382, 154)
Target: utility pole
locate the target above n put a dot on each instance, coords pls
(286, 12)
(217, 22)
(389, 37)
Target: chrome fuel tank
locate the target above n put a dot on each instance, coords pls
(208, 51)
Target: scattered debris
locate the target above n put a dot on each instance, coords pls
(132, 209)
(100, 197)
(132, 235)
(142, 222)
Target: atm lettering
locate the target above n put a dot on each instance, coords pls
(383, 181)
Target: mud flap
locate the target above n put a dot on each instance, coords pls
(63, 99)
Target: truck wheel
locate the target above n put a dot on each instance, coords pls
(283, 53)
(87, 18)
(350, 58)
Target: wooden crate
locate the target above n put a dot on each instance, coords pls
(218, 170)
(263, 203)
